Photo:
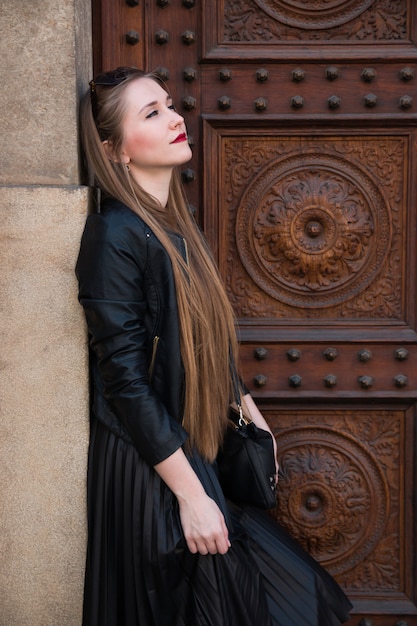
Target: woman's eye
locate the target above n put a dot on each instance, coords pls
(172, 107)
(152, 114)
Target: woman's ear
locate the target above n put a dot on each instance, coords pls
(111, 154)
(108, 149)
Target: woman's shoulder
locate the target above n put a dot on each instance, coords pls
(112, 233)
(114, 212)
(113, 237)
(115, 222)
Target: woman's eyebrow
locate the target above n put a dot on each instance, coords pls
(153, 103)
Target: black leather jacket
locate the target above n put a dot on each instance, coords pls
(127, 289)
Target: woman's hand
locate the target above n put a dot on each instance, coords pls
(203, 524)
(202, 521)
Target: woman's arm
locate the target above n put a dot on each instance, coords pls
(116, 293)
(203, 524)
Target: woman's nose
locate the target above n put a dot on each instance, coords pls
(176, 119)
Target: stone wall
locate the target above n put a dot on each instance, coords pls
(45, 52)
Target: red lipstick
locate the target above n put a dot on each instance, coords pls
(181, 137)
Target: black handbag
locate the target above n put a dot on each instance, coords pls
(246, 462)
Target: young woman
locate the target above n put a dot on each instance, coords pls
(165, 548)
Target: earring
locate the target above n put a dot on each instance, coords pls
(127, 167)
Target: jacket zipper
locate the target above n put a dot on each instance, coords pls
(186, 251)
(154, 348)
(156, 338)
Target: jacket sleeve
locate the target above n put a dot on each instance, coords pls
(111, 271)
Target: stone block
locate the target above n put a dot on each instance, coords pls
(43, 407)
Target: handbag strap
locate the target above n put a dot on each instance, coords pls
(237, 395)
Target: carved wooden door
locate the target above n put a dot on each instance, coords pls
(303, 120)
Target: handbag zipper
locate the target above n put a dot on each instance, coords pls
(152, 363)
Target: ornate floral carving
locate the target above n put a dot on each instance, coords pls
(285, 21)
(312, 230)
(277, 186)
(339, 493)
(315, 14)
(330, 489)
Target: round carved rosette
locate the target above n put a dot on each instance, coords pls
(333, 497)
(314, 14)
(313, 230)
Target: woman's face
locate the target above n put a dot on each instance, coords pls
(155, 136)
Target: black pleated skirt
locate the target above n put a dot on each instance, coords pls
(140, 573)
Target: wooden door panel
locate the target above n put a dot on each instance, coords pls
(230, 26)
(302, 117)
(312, 227)
(118, 34)
(341, 495)
(310, 90)
(331, 370)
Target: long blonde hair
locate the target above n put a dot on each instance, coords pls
(207, 325)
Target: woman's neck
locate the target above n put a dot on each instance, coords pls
(155, 183)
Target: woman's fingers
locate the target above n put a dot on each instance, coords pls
(207, 546)
(204, 545)
(205, 529)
